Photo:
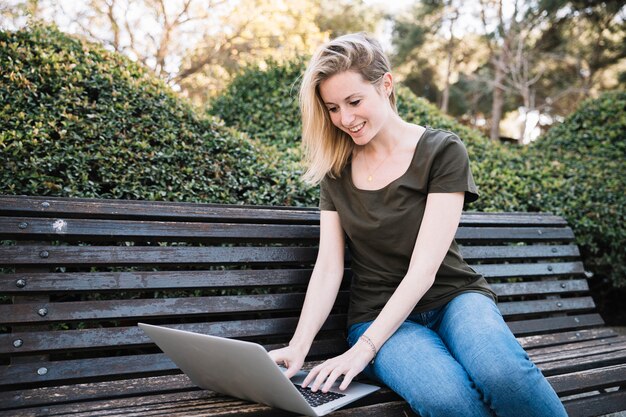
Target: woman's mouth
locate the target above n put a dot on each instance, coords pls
(357, 128)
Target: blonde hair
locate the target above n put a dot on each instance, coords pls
(327, 148)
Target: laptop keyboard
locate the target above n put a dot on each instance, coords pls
(318, 398)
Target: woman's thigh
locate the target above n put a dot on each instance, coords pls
(476, 335)
(416, 364)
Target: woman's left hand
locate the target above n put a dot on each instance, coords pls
(349, 364)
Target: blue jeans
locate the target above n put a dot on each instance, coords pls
(461, 360)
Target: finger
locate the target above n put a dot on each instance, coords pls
(321, 377)
(336, 373)
(346, 380)
(292, 370)
(276, 356)
(310, 377)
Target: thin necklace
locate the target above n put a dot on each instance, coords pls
(370, 176)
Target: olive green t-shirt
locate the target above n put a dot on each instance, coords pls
(381, 226)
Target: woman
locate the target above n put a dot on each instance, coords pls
(420, 320)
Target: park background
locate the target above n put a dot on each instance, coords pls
(187, 100)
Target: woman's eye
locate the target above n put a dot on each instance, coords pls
(333, 109)
(355, 102)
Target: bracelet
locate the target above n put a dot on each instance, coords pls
(371, 345)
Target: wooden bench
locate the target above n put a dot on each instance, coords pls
(78, 274)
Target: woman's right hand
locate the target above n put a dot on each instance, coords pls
(290, 357)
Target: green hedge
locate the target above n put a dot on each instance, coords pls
(77, 120)
(578, 170)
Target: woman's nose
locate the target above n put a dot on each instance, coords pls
(347, 118)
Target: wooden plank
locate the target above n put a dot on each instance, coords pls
(512, 308)
(96, 229)
(151, 280)
(154, 210)
(558, 339)
(588, 380)
(174, 280)
(583, 347)
(24, 228)
(157, 255)
(511, 219)
(125, 337)
(163, 210)
(597, 405)
(552, 324)
(88, 392)
(516, 252)
(202, 403)
(154, 308)
(45, 373)
(514, 234)
(539, 287)
(580, 363)
(552, 269)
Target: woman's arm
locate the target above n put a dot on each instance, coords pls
(441, 219)
(321, 293)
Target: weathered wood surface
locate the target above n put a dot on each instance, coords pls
(83, 272)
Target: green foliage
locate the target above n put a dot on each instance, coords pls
(77, 120)
(264, 104)
(580, 174)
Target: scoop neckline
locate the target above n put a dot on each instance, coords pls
(426, 129)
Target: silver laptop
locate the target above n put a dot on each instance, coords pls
(245, 370)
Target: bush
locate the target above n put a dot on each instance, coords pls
(580, 174)
(77, 120)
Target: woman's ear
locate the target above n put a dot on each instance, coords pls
(387, 83)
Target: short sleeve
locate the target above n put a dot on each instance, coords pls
(450, 171)
(326, 202)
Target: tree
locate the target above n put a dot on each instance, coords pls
(194, 45)
(429, 50)
(586, 40)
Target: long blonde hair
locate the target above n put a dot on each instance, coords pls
(327, 148)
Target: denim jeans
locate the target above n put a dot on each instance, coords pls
(461, 360)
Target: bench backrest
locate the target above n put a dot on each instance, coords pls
(78, 274)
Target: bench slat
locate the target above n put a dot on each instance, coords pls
(557, 339)
(161, 210)
(154, 210)
(472, 253)
(150, 255)
(583, 363)
(615, 342)
(177, 280)
(554, 269)
(540, 287)
(153, 308)
(196, 306)
(193, 255)
(577, 382)
(83, 370)
(151, 280)
(582, 350)
(552, 324)
(597, 405)
(95, 229)
(101, 230)
(123, 337)
(512, 308)
(514, 234)
(158, 385)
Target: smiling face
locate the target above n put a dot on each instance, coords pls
(356, 106)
